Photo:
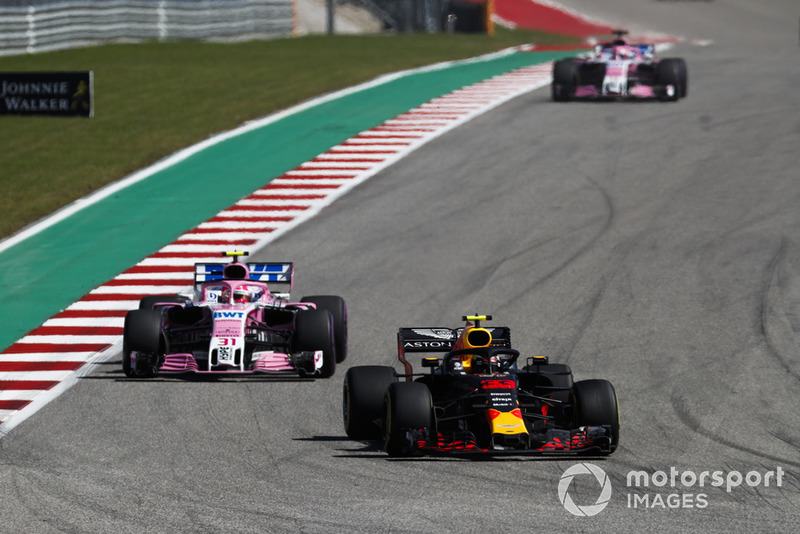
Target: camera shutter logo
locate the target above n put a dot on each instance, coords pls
(602, 500)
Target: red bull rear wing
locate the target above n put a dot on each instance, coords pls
(441, 339)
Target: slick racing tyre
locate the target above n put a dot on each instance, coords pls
(314, 331)
(127, 364)
(683, 77)
(565, 80)
(407, 406)
(142, 334)
(668, 73)
(362, 400)
(149, 301)
(596, 405)
(338, 310)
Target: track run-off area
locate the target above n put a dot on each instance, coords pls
(40, 365)
(651, 244)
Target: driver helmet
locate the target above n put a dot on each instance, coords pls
(483, 366)
(241, 295)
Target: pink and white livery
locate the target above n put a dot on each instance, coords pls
(619, 70)
(236, 323)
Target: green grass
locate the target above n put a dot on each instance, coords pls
(152, 99)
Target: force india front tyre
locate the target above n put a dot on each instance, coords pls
(313, 332)
(596, 404)
(362, 400)
(407, 408)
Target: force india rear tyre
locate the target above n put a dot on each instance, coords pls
(127, 364)
(314, 331)
(362, 400)
(596, 404)
(338, 309)
(141, 333)
(407, 406)
(565, 80)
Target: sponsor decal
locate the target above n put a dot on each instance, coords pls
(228, 315)
(498, 383)
(502, 400)
(223, 330)
(47, 93)
(428, 344)
(437, 333)
(270, 272)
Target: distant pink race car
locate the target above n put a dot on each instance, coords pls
(619, 70)
(235, 324)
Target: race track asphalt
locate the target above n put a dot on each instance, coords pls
(652, 244)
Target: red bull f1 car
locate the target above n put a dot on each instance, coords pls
(236, 323)
(478, 398)
(619, 70)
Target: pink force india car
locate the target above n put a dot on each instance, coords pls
(236, 323)
(619, 70)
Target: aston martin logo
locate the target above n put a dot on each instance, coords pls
(436, 333)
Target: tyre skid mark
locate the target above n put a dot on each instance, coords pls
(684, 414)
(766, 308)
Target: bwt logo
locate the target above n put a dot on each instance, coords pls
(602, 500)
(228, 315)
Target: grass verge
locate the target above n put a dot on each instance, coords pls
(152, 99)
